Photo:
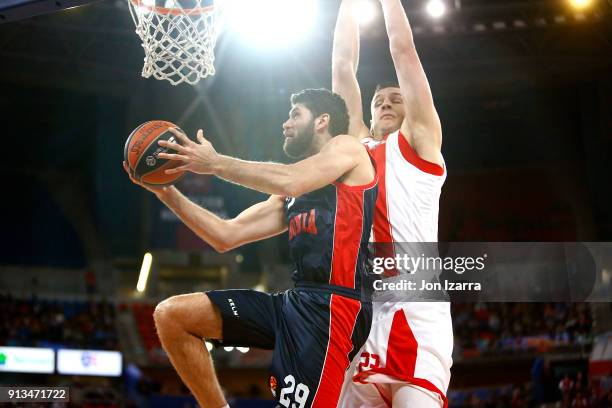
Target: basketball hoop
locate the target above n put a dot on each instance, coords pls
(178, 42)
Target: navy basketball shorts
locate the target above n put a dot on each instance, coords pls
(314, 334)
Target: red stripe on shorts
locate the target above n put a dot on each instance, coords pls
(343, 315)
(401, 357)
(402, 347)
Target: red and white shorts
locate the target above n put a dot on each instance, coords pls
(410, 343)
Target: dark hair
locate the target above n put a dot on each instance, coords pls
(320, 101)
(386, 84)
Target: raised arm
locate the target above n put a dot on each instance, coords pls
(345, 57)
(337, 158)
(421, 125)
(336, 161)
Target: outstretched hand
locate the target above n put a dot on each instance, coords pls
(199, 158)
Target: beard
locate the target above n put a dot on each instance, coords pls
(299, 145)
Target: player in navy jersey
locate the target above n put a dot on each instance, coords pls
(316, 328)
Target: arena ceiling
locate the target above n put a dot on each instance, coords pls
(479, 45)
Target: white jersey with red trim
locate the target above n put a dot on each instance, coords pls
(409, 342)
(409, 192)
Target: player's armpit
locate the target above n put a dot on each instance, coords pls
(260, 221)
(425, 140)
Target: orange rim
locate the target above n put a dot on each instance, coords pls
(173, 11)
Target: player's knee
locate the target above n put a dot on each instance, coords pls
(167, 314)
(192, 313)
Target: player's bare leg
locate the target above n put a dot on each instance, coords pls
(409, 396)
(182, 322)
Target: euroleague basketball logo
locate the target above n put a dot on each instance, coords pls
(273, 385)
(151, 160)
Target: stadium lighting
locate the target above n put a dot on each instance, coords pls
(364, 11)
(271, 23)
(144, 272)
(228, 348)
(243, 349)
(209, 345)
(436, 8)
(580, 4)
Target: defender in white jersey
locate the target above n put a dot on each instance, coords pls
(407, 358)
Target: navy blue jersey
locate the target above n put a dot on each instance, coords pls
(318, 327)
(329, 230)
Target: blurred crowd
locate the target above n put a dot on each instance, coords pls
(482, 328)
(572, 391)
(512, 396)
(577, 391)
(77, 324)
(479, 328)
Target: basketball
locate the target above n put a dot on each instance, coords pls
(141, 153)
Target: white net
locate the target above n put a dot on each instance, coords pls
(178, 43)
